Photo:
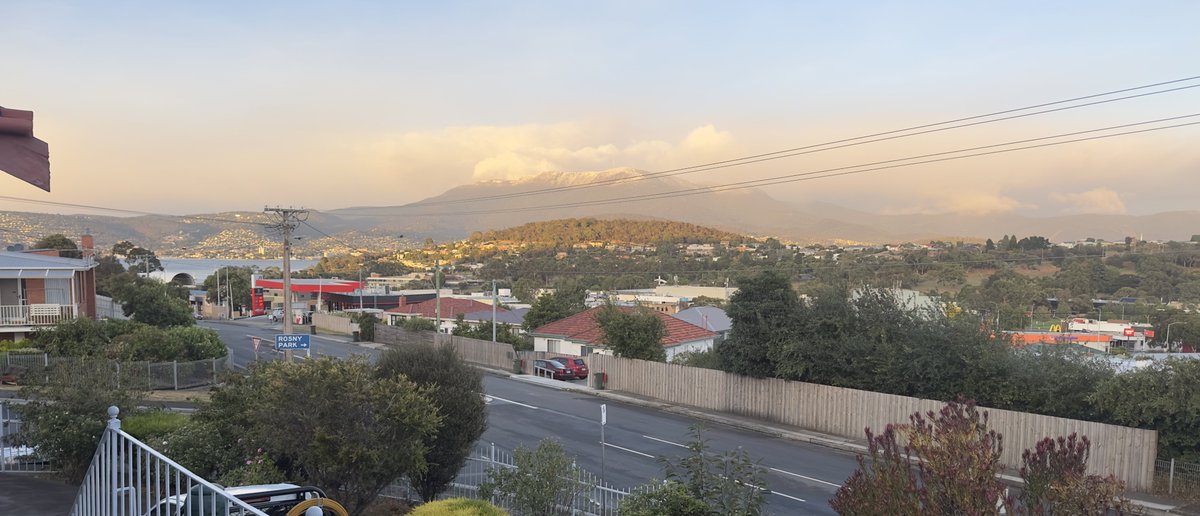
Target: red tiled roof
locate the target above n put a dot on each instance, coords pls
(582, 327)
(451, 307)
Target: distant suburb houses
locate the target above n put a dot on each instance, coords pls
(580, 334)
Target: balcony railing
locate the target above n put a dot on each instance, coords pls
(35, 314)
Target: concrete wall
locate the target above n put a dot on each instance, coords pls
(1128, 453)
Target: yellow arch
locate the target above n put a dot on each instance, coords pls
(337, 508)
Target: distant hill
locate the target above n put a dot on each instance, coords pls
(567, 232)
(495, 205)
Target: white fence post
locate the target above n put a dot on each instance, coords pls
(175, 373)
(149, 385)
(1171, 479)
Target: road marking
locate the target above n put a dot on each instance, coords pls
(628, 450)
(664, 441)
(514, 402)
(777, 493)
(797, 475)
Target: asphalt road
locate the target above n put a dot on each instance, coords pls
(801, 478)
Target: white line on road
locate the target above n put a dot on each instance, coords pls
(797, 475)
(610, 445)
(513, 402)
(777, 493)
(664, 441)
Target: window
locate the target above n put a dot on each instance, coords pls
(552, 345)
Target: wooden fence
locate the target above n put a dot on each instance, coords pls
(496, 355)
(1128, 453)
(334, 323)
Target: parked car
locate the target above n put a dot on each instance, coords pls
(12, 375)
(277, 315)
(576, 364)
(553, 369)
(273, 499)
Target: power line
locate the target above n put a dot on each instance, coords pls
(830, 145)
(131, 212)
(839, 171)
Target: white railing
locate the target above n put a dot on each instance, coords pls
(35, 314)
(596, 499)
(127, 477)
(14, 457)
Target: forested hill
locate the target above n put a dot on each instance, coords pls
(573, 231)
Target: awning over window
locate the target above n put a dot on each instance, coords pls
(36, 273)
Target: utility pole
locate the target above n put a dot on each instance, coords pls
(493, 311)
(289, 218)
(437, 289)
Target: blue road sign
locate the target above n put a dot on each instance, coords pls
(291, 341)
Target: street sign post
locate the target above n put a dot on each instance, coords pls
(289, 341)
(603, 423)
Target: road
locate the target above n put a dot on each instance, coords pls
(801, 477)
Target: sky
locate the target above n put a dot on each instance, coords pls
(200, 107)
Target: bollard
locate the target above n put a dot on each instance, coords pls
(175, 373)
(1171, 479)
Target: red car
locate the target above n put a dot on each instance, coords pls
(576, 365)
(553, 369)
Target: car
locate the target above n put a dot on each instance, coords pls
(552, 369)
(577, 365)
(273, 499)
(277, 315)
(12, 374)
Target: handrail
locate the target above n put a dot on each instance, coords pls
(126, 477)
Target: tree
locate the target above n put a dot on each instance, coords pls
(366, 325)
(566, 300)
(67, 414)
(456, 389)
(65, 246)
(235, 280)
(154, 303)
(763, 312)
(137, 258)
(989, 245)
(109, 274)
(632, 333)
(728, 483)
(330, 423)
(544, 481)
(1161, 397)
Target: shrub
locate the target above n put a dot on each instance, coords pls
(670, 499)
(458, 507)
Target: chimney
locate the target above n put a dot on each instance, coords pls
(85, 242)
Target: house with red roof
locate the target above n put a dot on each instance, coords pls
(451, 308)
(580, 335)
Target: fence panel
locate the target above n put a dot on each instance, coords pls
(137, 375)
(15, 458)
(597, 498)
(334, 323)
(1128, 453)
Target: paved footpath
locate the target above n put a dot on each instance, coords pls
(33, 495)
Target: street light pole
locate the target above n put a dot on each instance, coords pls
(1168, 339)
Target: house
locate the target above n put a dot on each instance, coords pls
(580, 335)
(451, 308)
(37, 291)
(710, 318)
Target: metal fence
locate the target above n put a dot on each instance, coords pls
(13, 457)
(1177, 479)
(597, 498)
(153, 375)
(127, 477)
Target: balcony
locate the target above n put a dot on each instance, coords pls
(35, 315)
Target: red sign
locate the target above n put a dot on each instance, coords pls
(1128, 332)
(1149, 334)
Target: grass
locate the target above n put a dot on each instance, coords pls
(154, 423)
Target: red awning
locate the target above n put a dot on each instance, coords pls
(21, 155)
